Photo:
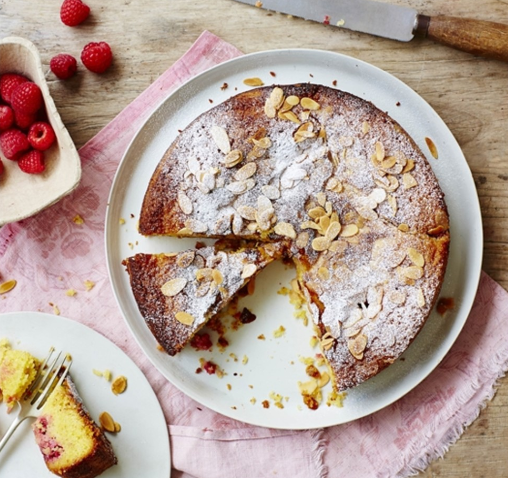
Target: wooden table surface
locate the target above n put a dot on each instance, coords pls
(469, 93)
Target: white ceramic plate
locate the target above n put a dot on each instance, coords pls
(273, 364)
(142, 445)
(63, 164)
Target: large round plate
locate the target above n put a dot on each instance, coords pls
(142, 445)
(274, 364)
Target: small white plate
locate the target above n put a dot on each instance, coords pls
(142, 445)
(23, 195)
(274, 364)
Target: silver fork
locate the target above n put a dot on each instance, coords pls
(47, 379)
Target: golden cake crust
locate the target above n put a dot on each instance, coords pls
(342, 181)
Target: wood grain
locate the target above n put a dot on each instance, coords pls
(468, 92)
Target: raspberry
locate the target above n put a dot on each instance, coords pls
(32, 162)
(24, 121)
(41, 135)
(8, 82)
(74, 12)
(13, 143)
(97, 57)
(63, 66)
(6, 117)
(27, 98)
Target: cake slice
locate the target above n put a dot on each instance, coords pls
(178, 293)
(72, 444)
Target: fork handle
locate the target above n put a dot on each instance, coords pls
(15, 423)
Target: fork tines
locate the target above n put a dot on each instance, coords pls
(51, 374)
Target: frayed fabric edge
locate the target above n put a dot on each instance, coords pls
(318, 452)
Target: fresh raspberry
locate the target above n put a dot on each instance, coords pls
(13, 143)
(41, 135)
(27, 98)
(63, 66)
(6, 117)
(8, 82)
(24, 121)
(32, 162)
(97, 57)
(74, 12)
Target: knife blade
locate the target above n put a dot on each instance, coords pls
(398, 22)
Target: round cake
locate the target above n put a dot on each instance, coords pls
(342, 186)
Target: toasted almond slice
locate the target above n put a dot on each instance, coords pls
(7, 286)
(308, 388)
(320, 244)
(247, 212)
(217, 277)
(184, 202)
(173, 286)
(327, 343)
(234, 157)
(349, 231)
(380, 151)
(196, 226)
(263, 143)
(416, 257)
(248, 270)
(324, 223)
(378, 195)
(365, 127)
(357, 346)
(333, 231)
(221, 138)
(184, 318)
(185, 259)
(277, 97)
(246, 171)
(309, 104)
(253, 81)
(237, 187)
(432, 148)
(119, 385)
(388, 162)
(293, 100)
(289, 115)
(269, 109)
(323, 380)
(409, 181)
(205, 273)
(302, 240)
(412, 272)
(321, 198)
(403, 227)
(420, 298)
(392, 201)
(203, 289)
(270, 191)
(107, 422)
(285, 229)
(316, 212)
(397, 297)
(323, 273)
(309, 225)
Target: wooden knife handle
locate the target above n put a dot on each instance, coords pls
(478, 37)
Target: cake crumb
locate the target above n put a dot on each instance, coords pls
(71, 292)
(121, 221)
(245, 359)
(228, 385)
(89, 285)
(314, 341)
(253, 401)
(265, 403)
(119, 385)
(261, 337)
(7, 286)
(279, 332)
(77, 219)
(336, 399)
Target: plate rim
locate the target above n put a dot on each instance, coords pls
(472, 283)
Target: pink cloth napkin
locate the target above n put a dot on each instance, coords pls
(49, 254)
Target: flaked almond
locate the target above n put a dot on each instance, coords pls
(246, 171)
(302, 240)
(233, 158)
(247, 212)
(248, 270)
(237, 187)
(217, 277)
(184, 318)
(309, 104)
(323, 273)
(204, 273)
(290, 116)
(349, 231)
(270, 191)
(184, 231)
(420, 298)
(316, 212)
(409, 181)
(119, 385)
(365, 127)
(185, 259)
(253, 81)
(432, 148)
(403, 227)
(221, 138)
(202, 289)
(276, 97)
(333, 230)
(416, 257)
(107, 422)
(397, 297)
(327, 343)
(357, 346)
(292, 100)
(309, 225)
(321, 198)
(184, 202)
(388, 162)
(412, 272)
(173, 286)
(320, 244)
(308, 388)
(263, 143)
(7, 286)
(333, 184)
(285, 229)
(323, 380)
(380, 151)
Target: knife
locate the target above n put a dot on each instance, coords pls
(397, 22)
